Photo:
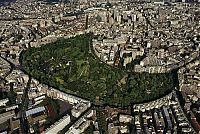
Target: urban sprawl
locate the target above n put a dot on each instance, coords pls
(154, 37)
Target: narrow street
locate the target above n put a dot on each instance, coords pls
(23, 108)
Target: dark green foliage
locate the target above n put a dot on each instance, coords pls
(98, 18)
(101, 119)
(89, 130)
(12, 97)
(68, 65)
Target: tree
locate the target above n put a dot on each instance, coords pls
(98, 18)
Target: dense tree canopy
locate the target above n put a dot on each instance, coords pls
(68, 65)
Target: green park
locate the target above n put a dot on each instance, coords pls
(70, 66)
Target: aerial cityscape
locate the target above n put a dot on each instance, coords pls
(99, 66)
